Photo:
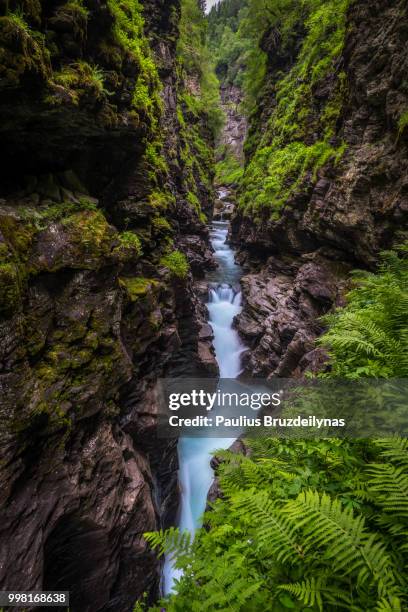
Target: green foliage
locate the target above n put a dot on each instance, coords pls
(227, 40)
(302, 525)
(228, 170)
(177, 263)
(197, 65)
(403, 122)
(369, 337)
(316, 525)
(297, 139)
(275, 173)
(81, 79)
(130, 241)
(129, 35)
(199, 113)
(23, 50)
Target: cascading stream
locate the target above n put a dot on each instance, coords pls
(195, 453)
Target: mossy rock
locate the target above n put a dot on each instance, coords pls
(129, 247)
(18, 235)
(82, 240)
(23, 52)
(176, 263)
(161, 227)
(71, 17)
(137, 287)
(10, 287)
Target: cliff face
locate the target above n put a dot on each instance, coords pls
(327, 151)
(96, 297)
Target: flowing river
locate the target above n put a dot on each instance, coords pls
(195, 453)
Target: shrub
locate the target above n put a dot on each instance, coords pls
(369, 336)
(228, 170)
(303, 525)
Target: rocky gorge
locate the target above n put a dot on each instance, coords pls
(338, 216)
(111, 172)
(101, 211)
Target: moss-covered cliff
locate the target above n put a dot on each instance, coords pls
(324, 187)
(327, 137)
(104, 191)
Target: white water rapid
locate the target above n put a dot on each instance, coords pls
(195, 453)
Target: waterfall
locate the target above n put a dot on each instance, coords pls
(224, 303)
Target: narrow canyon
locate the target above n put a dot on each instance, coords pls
(162, 215)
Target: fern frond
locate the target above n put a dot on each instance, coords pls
(327, 525)
(169, 542)
(308, 592)
(395, 449)
(275, 532)
(314, 592)
(392, 604)
(389, 484)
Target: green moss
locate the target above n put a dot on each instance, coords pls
(18, 234)
(129, 240)
(10, 286)
(129, 247)
(160, 201)
(82, 79)
(162, 226)
(137, 287)
(41, 217)
(155, 160)
(228, 170)
(177, 263)
(180, 117)
(129, 34)
(280, 157)
(24, 51)
(75, 14)
(4, 252)
(403, 122)
(194, 202)
(91, 232)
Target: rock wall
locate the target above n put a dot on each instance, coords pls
(235, 127)
(342, 214)
(96, 298)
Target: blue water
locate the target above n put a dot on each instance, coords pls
(224, 303)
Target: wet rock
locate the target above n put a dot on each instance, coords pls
(235, 129)
(358, 206)
(199, 254)
(280, 318)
